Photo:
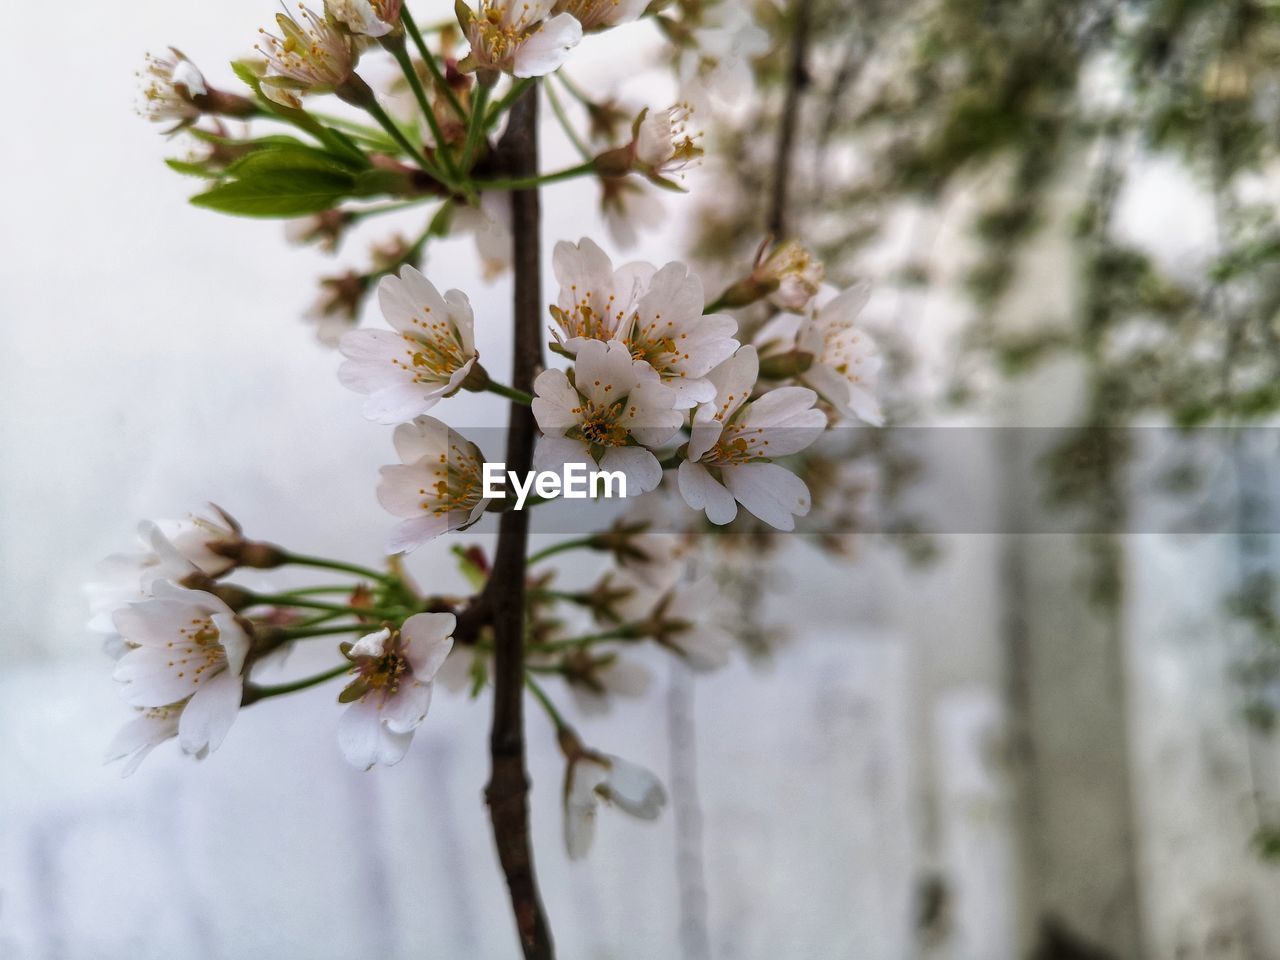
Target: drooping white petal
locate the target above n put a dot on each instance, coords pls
(640, 467)
(210, 712)
(140, 736)
(771, 492)
(548, 47)
(701, 491)
(554, 453)
(634, 789)
(408, 535)
(365, 740)
(580, 801)
(428, 638)
(404, 711)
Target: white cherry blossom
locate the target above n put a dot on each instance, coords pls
(437, 487)
(372, 18)
(716, 68)
(311, 55)
(146, 731)
(663, 145)
(601, 14)
(796, 272)
(733, 439)
(521, 37)
(845, 359)
(425, 356)
(595, 302)
(186, 653)
(656, 314)
(169, 86)
(594, 777)
(613, 410)
(391, 693)
(168, 550)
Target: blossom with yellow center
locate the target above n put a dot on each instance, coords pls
(170, 86)
(733, 440)
(390, 693)
(656, 314)
(438, 485)
(842, 357)
(186, 651)
(613, 410)
(520, 37)
(311, 55)
(665, 145)
(425, 356)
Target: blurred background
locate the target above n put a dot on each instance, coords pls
(997, 743)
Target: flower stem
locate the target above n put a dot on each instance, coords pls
(396, 207)
(398, 51)
(557, 107)
(589, 640)
(503, 105)
(541, 696)
(307, 633)
(359, 94)
(475, 125)
(511, 393)
(324, 563)
(266, 599)
(573, 88)
(561, 547)
(416, 36)
(254, 692)
(303, 591)
(524, 183)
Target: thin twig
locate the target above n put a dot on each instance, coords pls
(797, 81)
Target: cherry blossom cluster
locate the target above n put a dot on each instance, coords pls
(712, 401)
(656, 382)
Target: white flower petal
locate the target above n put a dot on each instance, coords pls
(634, 789)
(701, 491)
(640, 466)
(428, 638)
(548, 48)
(771, 492)
(209, 713)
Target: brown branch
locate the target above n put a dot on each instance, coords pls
(797, 81)
(508, 791)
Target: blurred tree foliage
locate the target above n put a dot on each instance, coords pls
(1030, 120)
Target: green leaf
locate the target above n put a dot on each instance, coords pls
(287, 159)
(280, 193)
(372, 183)
(188, 169)
(338, 143)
